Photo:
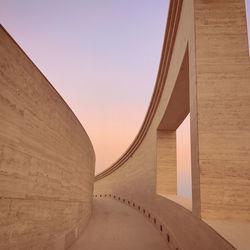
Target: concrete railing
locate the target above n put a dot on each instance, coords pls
(159, 224)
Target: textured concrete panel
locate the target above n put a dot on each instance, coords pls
(46, 159)
(223, 109)
(166, 163)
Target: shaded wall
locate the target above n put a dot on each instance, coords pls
(46, 159)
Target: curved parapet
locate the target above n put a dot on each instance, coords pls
(46, 159)
(204, 71)
(168, 44)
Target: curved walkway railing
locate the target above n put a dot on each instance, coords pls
(154, 219)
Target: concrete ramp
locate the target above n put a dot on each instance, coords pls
(117, 226)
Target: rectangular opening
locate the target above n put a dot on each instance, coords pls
(174, 164)
(173, 143)
(183, 150)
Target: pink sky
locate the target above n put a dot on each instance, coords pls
(184, 159)
(102, 57)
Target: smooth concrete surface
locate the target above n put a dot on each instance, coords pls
(204, 70)
(46, 159)
(184, 202)
(116, 226)
(233, 232)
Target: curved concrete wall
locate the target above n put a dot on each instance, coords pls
(46, 159)
(204, 63)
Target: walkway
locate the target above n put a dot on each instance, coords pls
(115, 226)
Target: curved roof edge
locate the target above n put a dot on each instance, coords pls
(167, 49)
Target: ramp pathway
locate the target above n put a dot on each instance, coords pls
(115, 226)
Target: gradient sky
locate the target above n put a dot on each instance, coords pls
(102, 57)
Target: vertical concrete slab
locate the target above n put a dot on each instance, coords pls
(166, 162)
(223, 109)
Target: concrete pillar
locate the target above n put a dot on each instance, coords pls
(220, 120)
(166, 162)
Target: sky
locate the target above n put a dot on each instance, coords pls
(183, 157)
(102, 57)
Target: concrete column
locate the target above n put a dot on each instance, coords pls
(166, 162)
(220, 120)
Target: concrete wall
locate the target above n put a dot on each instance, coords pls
(46, 159)
(204, 70)
(222, 110)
